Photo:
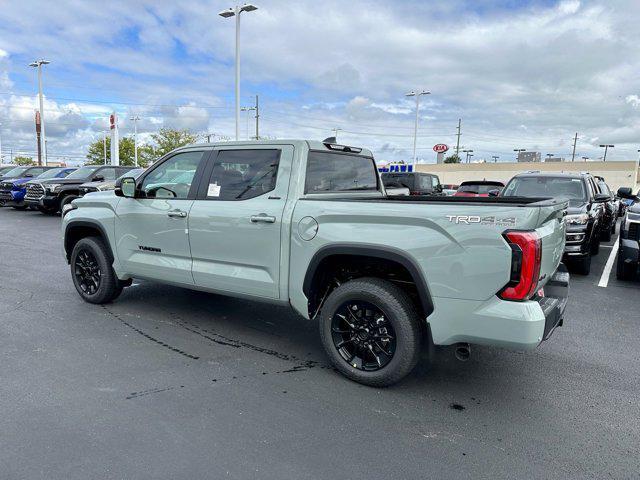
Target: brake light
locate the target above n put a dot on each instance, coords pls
(525, 265)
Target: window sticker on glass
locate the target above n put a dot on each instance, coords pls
(213, 190)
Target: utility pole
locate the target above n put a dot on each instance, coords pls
(458, 141)
(38, 64)
(606, 148)
(257, 119)
(248, 109)
(104, 146)
(575, 140)
(495, 158)
(135, 119)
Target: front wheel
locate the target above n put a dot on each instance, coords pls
(371, 331)
(92, 273)
(47, 210)
(583, 266)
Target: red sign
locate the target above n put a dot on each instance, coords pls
(112, 121)
(440, 148)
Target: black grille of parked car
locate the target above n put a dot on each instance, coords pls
(34, 191)
(634, 231)
(6, 186)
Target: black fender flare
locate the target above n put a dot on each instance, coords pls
(85, 224)
(375, 251)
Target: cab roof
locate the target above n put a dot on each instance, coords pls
(311, 144)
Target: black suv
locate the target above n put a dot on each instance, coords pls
(418, 183)
(49, 196)
(629, 252)
(585, 217)
(611, 209)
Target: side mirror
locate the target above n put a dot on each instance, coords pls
(601, 197)
(28, 175)
(98, 178)
(625, 192)
(494, 193)
(125, 187)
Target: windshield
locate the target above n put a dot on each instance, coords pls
(16, 172)
(83, 172)
(53, 173)
(604, 188)
(572, 188)
(478, 188)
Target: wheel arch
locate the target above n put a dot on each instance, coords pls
(79, 229)
(388, 255)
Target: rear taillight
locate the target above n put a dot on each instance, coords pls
(526, 257)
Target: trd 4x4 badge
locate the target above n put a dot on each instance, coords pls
(490, 220)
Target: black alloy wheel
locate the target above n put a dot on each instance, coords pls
(87, 272)
(363, 336)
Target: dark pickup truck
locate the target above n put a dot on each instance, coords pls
(49, 196)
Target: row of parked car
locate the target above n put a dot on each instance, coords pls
(591, 217)
(49, 189)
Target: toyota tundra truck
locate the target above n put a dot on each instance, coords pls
(309, 224)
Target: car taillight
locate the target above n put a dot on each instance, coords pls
(526, 257)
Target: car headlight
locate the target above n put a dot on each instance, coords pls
(52, 187)
(580, 219)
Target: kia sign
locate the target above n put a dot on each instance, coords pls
(440, 148)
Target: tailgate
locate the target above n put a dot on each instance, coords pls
(551, 230)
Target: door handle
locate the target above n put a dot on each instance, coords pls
(263, 217)
(177, 214)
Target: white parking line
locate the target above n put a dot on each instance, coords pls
(606, 273)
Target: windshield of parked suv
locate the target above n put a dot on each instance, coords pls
(478, 188)
(572, 188)
(83, 172)
(16, 172)
(604, 188)
(53, 173)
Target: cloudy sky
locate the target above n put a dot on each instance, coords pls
(519, 73)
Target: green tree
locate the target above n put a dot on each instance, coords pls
(164, 141)
(23, 161)
(95, 153)
(452, 159)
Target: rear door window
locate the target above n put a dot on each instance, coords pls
(335, 172)
(242, 174)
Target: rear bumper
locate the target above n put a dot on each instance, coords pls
(501, 323)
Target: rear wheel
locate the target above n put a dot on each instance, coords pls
(20, 207)
(583, 266)
(371, 331)
(92, 273)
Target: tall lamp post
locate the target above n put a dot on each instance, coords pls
(135, 119)
(468, 152)
(43, 139)
(235, 12)
(606, 148)
(335, 132)
(415, 128)
(495, 158)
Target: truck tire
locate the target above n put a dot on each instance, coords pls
(47, 211)
(66, 200)
(594, 248)
(606, 234)
(371, 331)
(583, 266)
(624, 270)
(92, 273)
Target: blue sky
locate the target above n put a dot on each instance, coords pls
(520, 74)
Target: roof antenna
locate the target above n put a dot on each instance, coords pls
(330, 140)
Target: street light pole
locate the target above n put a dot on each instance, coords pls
(467, 157)
(235, 12)
(43, 139)
(415, 128)
(248, 109)
(495, 158)
(135, 119)
(335, 132)
(606, 148)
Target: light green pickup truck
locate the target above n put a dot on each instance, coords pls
(308, 224)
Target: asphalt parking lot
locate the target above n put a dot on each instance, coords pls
(171, 383)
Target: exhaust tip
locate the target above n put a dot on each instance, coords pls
(463, 352)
